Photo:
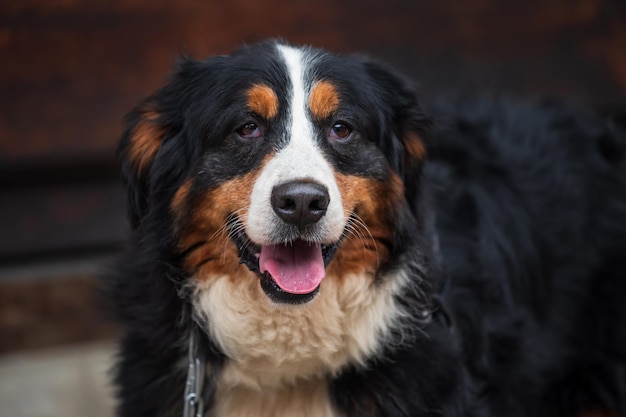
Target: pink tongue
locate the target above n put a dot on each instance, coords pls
(297, 268)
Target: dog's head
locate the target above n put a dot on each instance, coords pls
(284, 180)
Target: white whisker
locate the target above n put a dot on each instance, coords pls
(360, 229)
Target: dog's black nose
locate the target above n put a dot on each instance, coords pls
(299, 202)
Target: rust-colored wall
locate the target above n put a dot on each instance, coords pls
(71, 69)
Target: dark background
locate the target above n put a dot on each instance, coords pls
(71, 69)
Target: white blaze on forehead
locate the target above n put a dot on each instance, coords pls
(300, 158)
(301, 131)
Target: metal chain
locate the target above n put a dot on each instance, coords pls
(194, 404)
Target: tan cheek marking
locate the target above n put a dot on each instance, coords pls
(178, 202)
(414, 146)
(145, 141)
(219, 255)
(323, 100)
(204, 220)
(263, 101)
(366, 249)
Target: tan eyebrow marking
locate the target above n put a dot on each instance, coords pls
(323, 100)
(262, 100)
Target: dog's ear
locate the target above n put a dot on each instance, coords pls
(404, 119)
(140, 143)
(153, 152)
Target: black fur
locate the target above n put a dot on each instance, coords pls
(531, 217)
(517, 220)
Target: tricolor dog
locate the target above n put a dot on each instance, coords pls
(331, 249)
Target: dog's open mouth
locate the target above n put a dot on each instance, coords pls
(289, 272)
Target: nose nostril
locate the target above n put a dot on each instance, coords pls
(300, 202)
(318, 204)
(289, 205)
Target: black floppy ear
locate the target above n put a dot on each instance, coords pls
(404, 118)
(140, 142)
(152, 152)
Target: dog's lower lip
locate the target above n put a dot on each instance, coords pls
(277, 295)
(247, 251)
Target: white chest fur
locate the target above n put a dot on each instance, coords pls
(299, 399)
(280, 355)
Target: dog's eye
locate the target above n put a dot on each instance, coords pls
(249, 131)
(339, 131)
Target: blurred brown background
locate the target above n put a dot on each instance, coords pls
(71, 69)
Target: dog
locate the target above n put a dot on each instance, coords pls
(307, 240)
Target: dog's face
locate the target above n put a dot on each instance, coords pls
(277, 175)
